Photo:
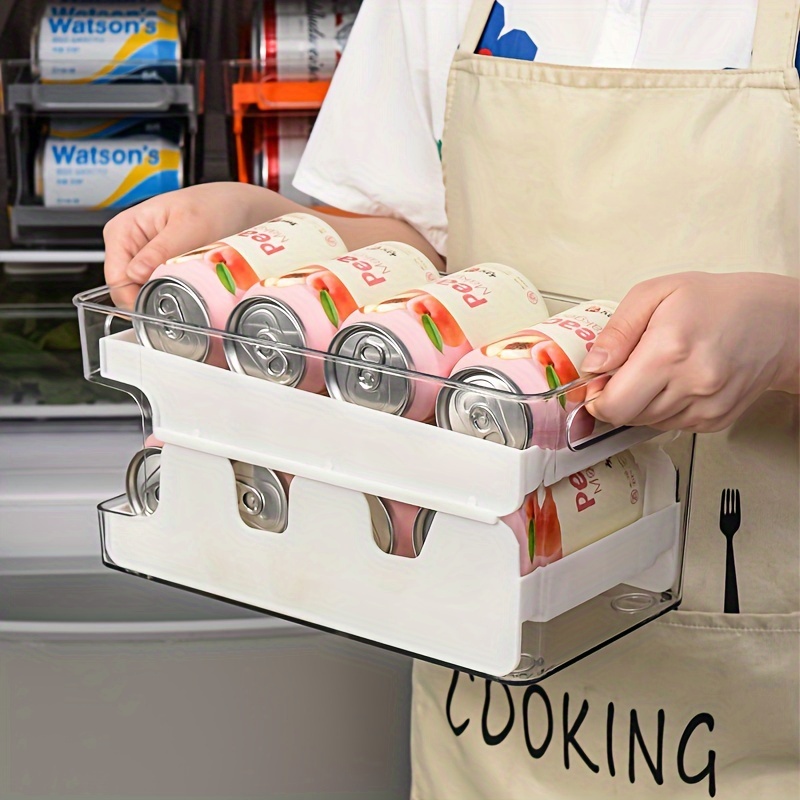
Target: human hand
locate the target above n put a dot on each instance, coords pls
(693, 350)
(141, 238)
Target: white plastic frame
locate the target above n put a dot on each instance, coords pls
(462, 602)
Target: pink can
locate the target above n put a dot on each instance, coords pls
(427, 330)
(200, 289)
(306, 307)
(577, 511)
(537, 360)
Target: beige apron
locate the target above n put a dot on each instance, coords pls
(591, 180)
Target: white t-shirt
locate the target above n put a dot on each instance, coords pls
(375, 148)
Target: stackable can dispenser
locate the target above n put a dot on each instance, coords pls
(462, 601)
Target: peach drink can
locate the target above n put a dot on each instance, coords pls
(199, 289)
(427, 330)
(306, 307)
(536, 361)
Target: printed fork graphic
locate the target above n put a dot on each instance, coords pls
(730, 517)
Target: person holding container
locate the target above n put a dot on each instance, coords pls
(646, 152)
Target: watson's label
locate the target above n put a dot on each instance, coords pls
(87, 43)
(83, 173)
(266, 250)
(480, 304)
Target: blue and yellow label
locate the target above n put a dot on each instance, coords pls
(114, 174)
(88, 44)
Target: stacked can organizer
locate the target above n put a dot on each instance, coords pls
(475, 547)
(290, 51)
(106, 112)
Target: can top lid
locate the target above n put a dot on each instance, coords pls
(422, 524)
(482, 415)
(269, 320)
(263, 500)
(369, 385)
(142, 480)
(169, 300)
(382, 528)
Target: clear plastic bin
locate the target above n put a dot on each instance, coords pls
(462, 600)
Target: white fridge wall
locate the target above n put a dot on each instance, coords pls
(52, 477)
(309, 716)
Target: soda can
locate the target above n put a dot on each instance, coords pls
(143, 480)
(427, 330)
(72, 128)
(278, 145)
(536, 360)
(393, 525)
(301, 40)
(113, 173)
(577, 511)
(263, 496)
(304, 308)
(201, 288)
(108, 42)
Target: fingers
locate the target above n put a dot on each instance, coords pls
(124, 295)
(627, 325)
(122, 240)
(165, 245)
(631, 390)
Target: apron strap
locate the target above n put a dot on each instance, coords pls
(775, 41)
(476, 22)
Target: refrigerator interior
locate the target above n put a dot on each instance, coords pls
(112, 686)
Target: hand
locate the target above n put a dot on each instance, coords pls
(141, 238)
(694, 350)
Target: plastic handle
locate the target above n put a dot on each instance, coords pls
(584, 443)
(85, 98)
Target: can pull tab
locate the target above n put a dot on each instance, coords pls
(273, 361)
(262, 504)
(168, 307)
(251, 500)
(371, 352)
(485, 423)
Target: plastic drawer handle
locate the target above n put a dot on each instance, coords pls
(584, 443)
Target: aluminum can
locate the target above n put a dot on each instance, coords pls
(201, 288)
(76, 42)
(85, 128)
(263, 496)
(577, 511)
(278, 145)
(393, 525)
(534, 361)
(301, 39)
(116, 173)
(143, 480)
(305, 308)
(427, 330)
